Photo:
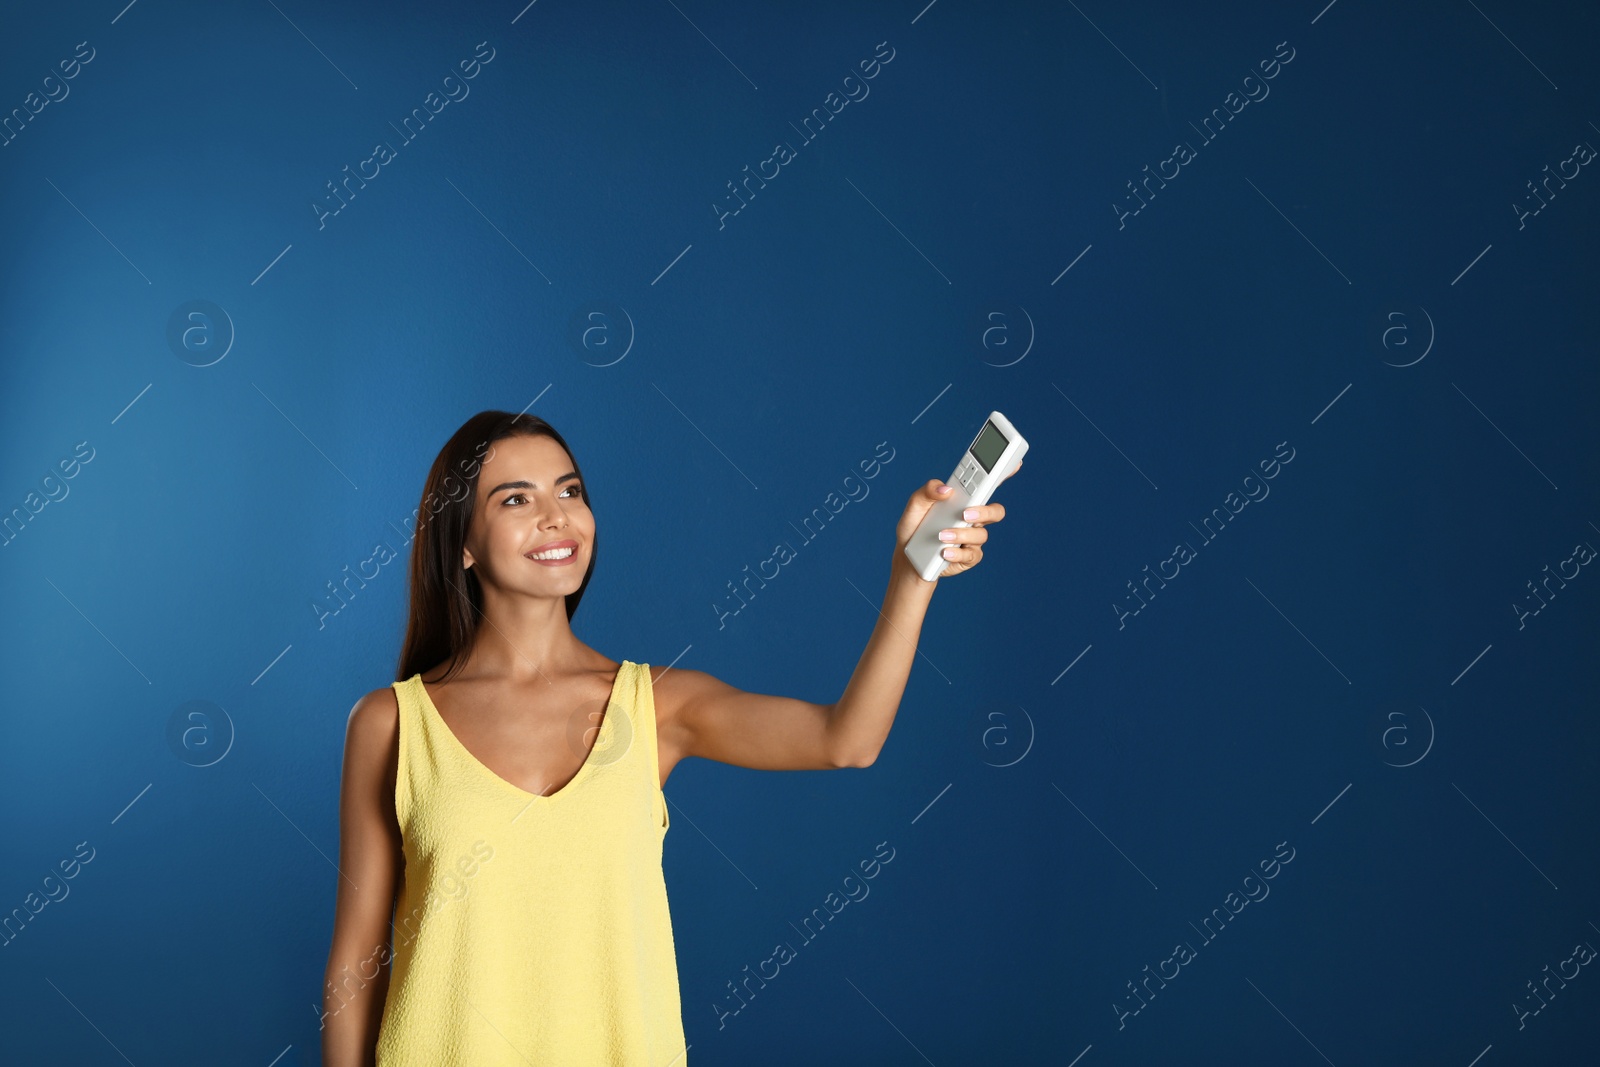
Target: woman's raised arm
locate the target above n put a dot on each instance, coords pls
(711, 719)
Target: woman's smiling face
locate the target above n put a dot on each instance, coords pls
(529, 496)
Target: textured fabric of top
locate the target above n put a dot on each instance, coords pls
(533, 929)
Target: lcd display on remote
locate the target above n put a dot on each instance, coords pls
(987, 448)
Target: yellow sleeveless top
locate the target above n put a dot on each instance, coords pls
(533, 929)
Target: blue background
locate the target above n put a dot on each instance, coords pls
(1069, 791)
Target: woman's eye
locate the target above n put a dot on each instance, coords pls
(571, 488)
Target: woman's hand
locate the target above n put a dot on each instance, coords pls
(964, 549)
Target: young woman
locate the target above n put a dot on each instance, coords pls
(501, 813)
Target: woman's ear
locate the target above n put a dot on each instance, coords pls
(466, 559)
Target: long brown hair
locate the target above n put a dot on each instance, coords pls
(446, 602)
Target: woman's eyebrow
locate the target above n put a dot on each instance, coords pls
(524, 484)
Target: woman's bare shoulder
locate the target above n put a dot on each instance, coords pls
(374, 719)
(674, 687)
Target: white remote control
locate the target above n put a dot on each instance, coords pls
(993, 455)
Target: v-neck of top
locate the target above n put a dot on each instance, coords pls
(601, 737)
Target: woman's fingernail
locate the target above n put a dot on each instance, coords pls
(970, 514)
(947, 535)
(942, 489)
